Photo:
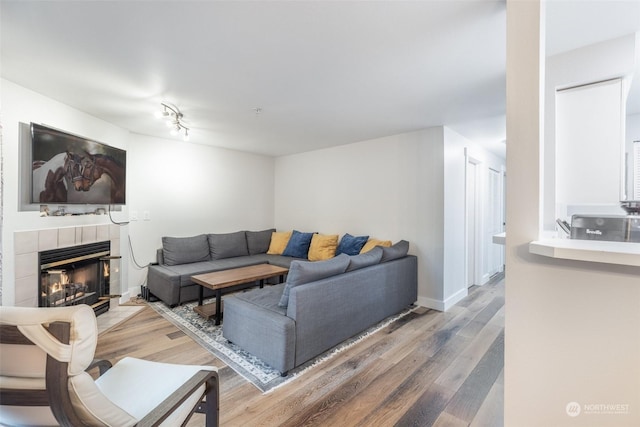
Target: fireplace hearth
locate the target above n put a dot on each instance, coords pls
(76, 275)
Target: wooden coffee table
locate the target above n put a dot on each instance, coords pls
(230, 280)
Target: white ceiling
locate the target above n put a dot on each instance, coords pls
(324, 73)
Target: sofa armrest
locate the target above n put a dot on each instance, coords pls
(264, 333)
(164, 284)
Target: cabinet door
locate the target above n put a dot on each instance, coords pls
(589, 141)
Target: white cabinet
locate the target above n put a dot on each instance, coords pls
(589, 144)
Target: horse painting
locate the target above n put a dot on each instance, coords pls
(73, 178)
(50, 179)
(100, 173)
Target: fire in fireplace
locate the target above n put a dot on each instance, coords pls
(76, 275)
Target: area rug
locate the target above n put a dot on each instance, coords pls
(254, 370)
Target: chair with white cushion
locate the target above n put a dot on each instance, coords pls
(45, 354)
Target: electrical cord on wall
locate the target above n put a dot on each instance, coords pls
(115, 222)
(133, 256)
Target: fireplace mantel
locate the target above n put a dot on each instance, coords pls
(28, 243)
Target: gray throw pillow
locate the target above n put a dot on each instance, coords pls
(185, 250)
(301, 272)
(228, 245)
(396, 251)
(366, 259)
(258, 241)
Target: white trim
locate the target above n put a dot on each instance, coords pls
(431, 303)
(440, 305)
(455, 298)
(124, 298)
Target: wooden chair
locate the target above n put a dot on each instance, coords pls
(45, 354)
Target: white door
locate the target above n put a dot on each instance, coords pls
(493, 224)
(472, 215)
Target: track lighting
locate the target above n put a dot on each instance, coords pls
(174, 117)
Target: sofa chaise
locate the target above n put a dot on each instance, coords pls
(328, 302)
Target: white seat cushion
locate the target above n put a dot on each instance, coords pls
(138, 386)
(36, 416)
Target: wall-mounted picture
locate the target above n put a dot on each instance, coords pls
(69, 169)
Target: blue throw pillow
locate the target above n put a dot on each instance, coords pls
(298, 245)
(351, 245)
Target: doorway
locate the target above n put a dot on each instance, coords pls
(472, 216)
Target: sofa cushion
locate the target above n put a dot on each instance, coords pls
(267, 298)
(185, 250)
(279, 240)
(258, 241)
(181, 274)
(301, 272)
(372, 243)
(279, 260)
(366, 259)
(351, 245)
(228, 245)
(298, 245)
(322, 247)
(396, 251)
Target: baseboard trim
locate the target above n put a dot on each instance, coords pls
(455, 298)
(440, 305)
(124, 298)
(431, 303)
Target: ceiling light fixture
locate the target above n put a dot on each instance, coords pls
(174, 117)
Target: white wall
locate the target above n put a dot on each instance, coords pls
(409, 186)
(572, 328)
(187, 189)
(455, 260)
(388, 188)
(190, 189)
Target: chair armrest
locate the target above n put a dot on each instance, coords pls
(101, 364)
(167, 406)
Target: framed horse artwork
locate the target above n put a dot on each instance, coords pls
(69, 169)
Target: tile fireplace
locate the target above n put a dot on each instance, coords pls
(30, 244)
(76, 275)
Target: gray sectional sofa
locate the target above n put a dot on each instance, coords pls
(321, 312)
(321, 304)
(182, 257)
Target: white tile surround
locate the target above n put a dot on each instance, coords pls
(27, 244)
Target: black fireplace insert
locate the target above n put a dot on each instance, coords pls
(76, 275)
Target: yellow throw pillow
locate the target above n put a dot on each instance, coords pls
(323, 247)
(279, 240)
(372, 243)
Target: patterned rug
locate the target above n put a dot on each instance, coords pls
(258, 373)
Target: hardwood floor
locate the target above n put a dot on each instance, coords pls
(428, 369)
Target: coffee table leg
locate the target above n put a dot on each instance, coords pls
(200, 295)
(261, 283)
(218, 306)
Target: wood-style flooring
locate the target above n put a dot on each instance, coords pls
(428, 369)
